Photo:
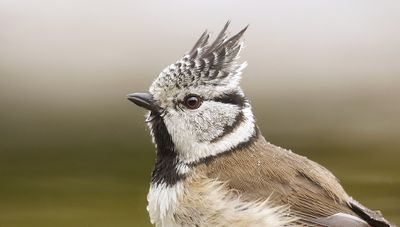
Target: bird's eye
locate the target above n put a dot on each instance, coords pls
(192, 101)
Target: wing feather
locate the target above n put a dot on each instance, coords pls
(314, 195)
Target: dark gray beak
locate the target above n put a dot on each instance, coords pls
(144, 100)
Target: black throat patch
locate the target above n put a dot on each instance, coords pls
(166, 161)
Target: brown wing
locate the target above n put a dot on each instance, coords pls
(262, 170)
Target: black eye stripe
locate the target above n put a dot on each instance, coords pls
(232, 98)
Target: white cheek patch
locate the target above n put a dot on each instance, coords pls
(184, 133)
(210, 120)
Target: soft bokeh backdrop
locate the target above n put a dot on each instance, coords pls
(323, 78)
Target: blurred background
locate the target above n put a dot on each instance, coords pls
(323, 78)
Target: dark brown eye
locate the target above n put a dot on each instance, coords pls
(192, 101)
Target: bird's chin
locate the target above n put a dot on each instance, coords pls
(152, 115)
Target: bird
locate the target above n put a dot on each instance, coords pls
(213, 166)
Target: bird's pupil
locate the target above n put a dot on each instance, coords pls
(192, 102)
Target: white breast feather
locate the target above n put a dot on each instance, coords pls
(163, 201)
(206, 202)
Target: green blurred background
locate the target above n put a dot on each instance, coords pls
(323, 78)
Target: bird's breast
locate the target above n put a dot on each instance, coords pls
(202, 201)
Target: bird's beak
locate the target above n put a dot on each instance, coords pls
(144, 100)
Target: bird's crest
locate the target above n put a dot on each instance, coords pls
(206, 63)
(219, 55)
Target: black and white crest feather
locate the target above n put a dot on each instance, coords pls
(221, 54)
(205, 63)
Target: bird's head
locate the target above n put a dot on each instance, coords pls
(198, 102)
